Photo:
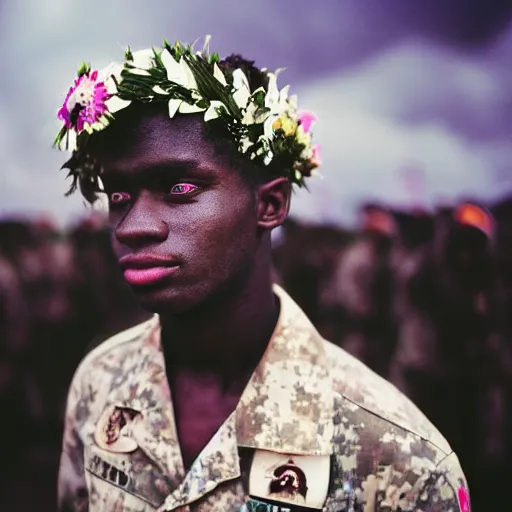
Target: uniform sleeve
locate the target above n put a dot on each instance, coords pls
(72, 488)
(445, 489)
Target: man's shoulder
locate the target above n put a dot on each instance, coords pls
(114, 349)
(361, 389)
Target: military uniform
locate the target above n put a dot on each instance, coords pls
(314, 429)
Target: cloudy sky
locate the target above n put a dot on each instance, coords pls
(413, 98)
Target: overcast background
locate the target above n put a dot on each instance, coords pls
(413, 97)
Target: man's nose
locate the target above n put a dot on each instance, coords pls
(142, 223)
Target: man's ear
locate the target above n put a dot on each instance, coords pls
(273, 200)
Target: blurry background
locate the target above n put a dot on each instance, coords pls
(402, 253)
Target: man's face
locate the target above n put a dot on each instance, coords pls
(184, 222)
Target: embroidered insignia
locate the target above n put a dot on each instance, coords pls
(295, 481)
(113, 430)
(290, 480)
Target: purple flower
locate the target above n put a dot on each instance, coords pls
(306, 120)
(84, 103)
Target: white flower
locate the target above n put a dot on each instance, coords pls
(178, 72)
(107, 75)
(276, 100)
(182, 107)
(187, 108)
(272, 96)
(100, 204)
(283, 94)
(268, 129)
(264, 150)
(217, 73)
(212, 113)
(69, 141)
(181, 74)
(142, 61)
(267, 155)
(115, 104)
(242, 91)
(159, 90)
(174, 105)
(249, 114)
(278, 103)
(245, 144)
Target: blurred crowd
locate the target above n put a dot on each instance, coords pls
(423, 298)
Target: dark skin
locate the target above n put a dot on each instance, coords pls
(174, 193)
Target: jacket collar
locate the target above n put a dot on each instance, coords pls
(286, 407)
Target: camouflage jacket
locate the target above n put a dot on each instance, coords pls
(314, 429)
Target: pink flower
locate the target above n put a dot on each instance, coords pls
(84, 103)
(306, 120)
(317, 157)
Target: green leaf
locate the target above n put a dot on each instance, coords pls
(259, 97)
(210, 87)
(178, 50)
(84, 69)
(158, 60)
(58, 139)
(167, 46)
(204, 104)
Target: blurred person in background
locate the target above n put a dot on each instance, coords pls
(13, 314)
(52, 315)
(445, 357)
(361, 288)
(44, 262)
(228, 399)
(20, 267)
(498, 447)
(13, 344)
(304, 261)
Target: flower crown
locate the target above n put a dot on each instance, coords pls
(265, 124)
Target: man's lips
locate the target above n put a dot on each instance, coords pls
(146, 276)
(140, 270)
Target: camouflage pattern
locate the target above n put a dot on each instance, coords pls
(306, 397)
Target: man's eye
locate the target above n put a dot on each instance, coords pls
(119, 197)
(182, 188)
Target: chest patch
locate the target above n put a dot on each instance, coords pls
(289, 482)
(112, 431)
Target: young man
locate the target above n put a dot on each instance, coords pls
(227, 399)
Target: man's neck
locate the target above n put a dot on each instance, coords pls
(226, 337)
